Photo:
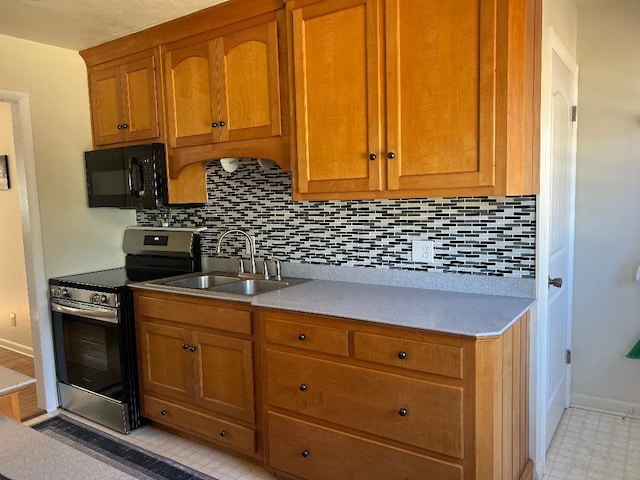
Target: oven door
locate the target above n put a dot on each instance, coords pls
(87, 347)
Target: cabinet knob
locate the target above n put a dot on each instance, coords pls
(223, 433)
(124, 125)
(119, 127)
(303, 387)
(372, 157)
(402, 354)
(214, 124)
(163, 413)
(185, 346)
(391, 155)
(302, 337)
(222, 124)
(305, 453)
(403, 412)
(193, 348)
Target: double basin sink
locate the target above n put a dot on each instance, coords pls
(224, 284)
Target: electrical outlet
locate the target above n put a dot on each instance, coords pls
(422, 251)
(12, 318)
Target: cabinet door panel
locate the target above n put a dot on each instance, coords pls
(106, 102)
(224, 375)
(337, 96)
(248, 83)
(440, 93)
(190, 94)
(139, 99)
(166, 365)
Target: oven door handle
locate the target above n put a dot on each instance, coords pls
(107, 316)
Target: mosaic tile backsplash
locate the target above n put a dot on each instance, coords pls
(474, 235)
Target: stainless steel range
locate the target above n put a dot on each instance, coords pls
(94, 330)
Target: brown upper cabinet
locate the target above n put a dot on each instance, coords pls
(407, 98)
(124, 99)
(223, 94)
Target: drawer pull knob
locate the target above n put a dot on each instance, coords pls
(403, 412)
(164, 413)
(214, 124)
(304, 453)
(223, 433)
(302, 337)
(402, 354)
(193, 349)
(185, 346)
(303, 387)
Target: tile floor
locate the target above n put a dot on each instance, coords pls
(592, 445)
(588, 445)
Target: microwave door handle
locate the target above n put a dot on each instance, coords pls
(136, 178)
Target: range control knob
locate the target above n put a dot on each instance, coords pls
(94, 298)
(64, 293)
(103, 298)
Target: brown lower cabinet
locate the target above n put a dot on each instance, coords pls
(360, 401)
(317, 398)
(195, 358)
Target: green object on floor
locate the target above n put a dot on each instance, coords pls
(635, 351)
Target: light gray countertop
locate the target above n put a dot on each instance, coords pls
(466, 314)
(11, 380)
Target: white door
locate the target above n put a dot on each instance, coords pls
(561, 227)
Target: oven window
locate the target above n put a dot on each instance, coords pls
(90, 354)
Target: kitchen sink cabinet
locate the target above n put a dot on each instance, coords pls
(399, 98)
(353, 400)
(196, 367)
(223, 93)
(124, 99)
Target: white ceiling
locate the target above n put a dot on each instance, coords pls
(79, 24)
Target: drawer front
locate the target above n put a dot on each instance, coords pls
(399, 352)
(316, 338)
(415, 412)
(199, 424)
(195, 314)
(317, 453)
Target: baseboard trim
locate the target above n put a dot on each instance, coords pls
(16, 347)
(606, 405)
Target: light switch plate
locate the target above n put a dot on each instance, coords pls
(422, 251)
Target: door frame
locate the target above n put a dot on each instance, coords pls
(37, 287)
(551, 44)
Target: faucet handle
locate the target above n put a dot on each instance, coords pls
(265, 267)
(278, 267)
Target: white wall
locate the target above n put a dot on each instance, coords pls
(562, 15)
(75, 238)
(13, 277)
(606, 322)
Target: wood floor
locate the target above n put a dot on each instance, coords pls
(23, 364)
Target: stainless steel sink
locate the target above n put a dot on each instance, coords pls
(223, 285)
(251, 287)
(201, 282)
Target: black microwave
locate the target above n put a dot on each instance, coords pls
(127, 177)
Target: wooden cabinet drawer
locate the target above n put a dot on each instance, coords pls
(199, 424)
(399, 352)
(416, 412)
(316, 338)
(318, 453)
(210, 316)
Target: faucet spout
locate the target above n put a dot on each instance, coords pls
(252, 245)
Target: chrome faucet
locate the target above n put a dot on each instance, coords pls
(252, 245)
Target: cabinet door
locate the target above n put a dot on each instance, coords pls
(140, 106)
(190, 91)
(106, 105)
(224, 375)
(337, 73)
(166, 363)
(248, 84)
(440, 93)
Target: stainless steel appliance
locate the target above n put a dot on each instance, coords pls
(94, 330)
(127, 177)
